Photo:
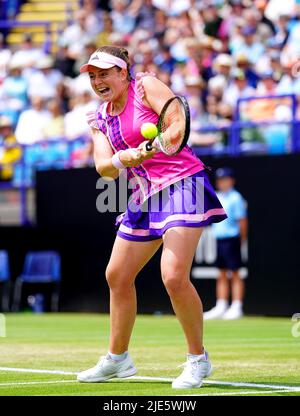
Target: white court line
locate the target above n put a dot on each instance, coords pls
(25, 383)
(33, 370)
(235, 393)
(162, 379)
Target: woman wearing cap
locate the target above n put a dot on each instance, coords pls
(118, 145)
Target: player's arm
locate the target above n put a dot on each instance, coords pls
(156, 93)
(103, 154)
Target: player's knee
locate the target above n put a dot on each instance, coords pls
(175, 281)
(117, 279)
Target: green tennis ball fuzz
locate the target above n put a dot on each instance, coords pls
(149, 130)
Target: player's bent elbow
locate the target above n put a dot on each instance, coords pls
(106, 173)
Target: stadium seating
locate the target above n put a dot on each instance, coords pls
(41, 267)
(4, 280)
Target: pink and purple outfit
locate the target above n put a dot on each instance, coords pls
(168, 191)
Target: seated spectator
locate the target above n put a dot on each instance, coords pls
(13, 91)
(45, 80)
(75, 120)
(250, 46)
(212, 20)
(10, 152)
(28, 54)
(54, 128)
(194, 86)
(31, 124)
(77, 35)
(238, 89)
(103, 37)
(122, 17)
(63, 62)
(5, 56)
(245, 65)
(93, 16)
(222, 66)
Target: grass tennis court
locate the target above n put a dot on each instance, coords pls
(251, 356)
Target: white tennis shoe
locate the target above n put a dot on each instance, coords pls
(107, 368)
(195, 370)
(215, 313)
(233, 313)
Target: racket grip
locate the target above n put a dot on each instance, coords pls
(149, 146)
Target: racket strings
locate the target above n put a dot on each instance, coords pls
(172, 128)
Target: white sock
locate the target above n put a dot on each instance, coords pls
(222, 303)
(237, 304)
(118, 357)
(195, 357)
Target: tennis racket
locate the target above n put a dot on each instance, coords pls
(173, 127)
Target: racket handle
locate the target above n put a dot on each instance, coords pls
(149, 146)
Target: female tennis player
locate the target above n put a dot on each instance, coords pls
(119, 145)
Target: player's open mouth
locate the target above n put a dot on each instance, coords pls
(104, 90)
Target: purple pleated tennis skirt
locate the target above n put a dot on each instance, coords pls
(190, 202)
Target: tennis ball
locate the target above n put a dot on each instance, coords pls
(149, 130)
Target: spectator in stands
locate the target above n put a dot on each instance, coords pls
(245, 65)
(103, 37)
(144, 12)
(268, 84)
(89, 48)
(10, 152)
(28, 54)
(122, 17)
(5, 56)
(44, 82)
(230, 235)
(75, 120)
(222, 66)
(250, 46)
(54, 128)
(77, 35)
(212, 20)
(164, 60)
(93, 16)
(31, 124)
(63, 62)
(239, 88)
(13, 92)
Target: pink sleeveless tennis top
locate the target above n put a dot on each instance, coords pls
(124, 131)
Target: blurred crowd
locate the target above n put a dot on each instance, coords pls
(212, 51)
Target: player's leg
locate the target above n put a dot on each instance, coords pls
(179, 247)
(127, 259)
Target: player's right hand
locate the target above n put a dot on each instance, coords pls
(131, 157)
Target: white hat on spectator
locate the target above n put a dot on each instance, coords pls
(45, 62)
(217, 83)
(16, 63)
(223, 59)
